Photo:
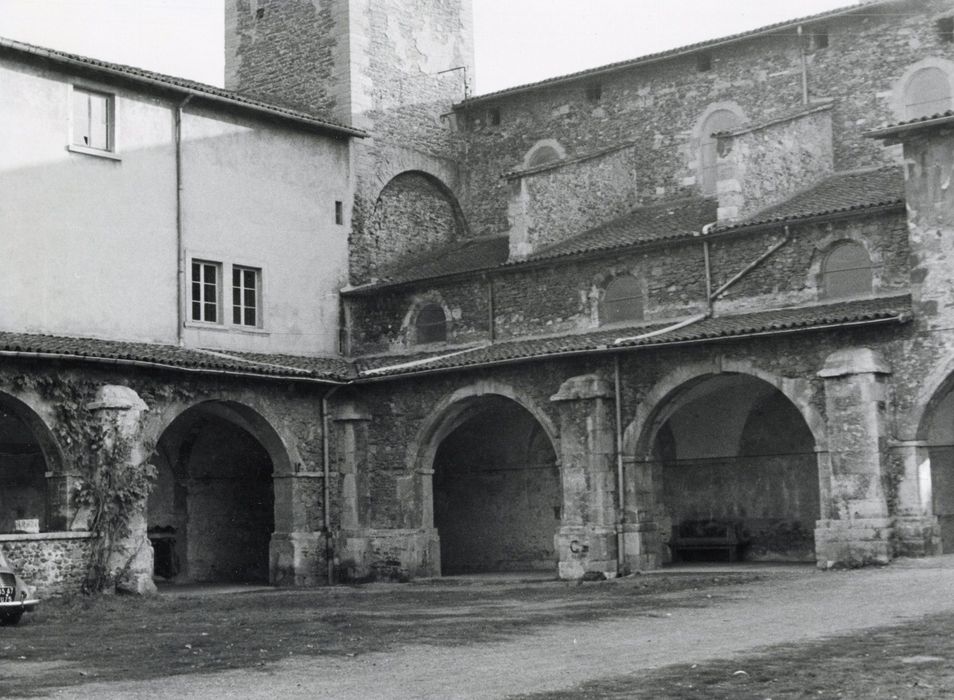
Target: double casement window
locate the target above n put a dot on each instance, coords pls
(206, 295)
(93, 125)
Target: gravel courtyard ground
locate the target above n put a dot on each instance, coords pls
(781, 632)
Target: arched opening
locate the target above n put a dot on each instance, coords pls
(543, 152)
(846, 272)
(734, 473)
(717, 121)
(927, 92)
(211, 512)
(414, 213)
(940, 440)
(431, 324)
(497, 492)
(27, 461)
(622, 301)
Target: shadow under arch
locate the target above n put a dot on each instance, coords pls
(490, 480)
(48, 486)
(213, 511)
(770, 491)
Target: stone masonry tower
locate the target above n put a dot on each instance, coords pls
(390, 67)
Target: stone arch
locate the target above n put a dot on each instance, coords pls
(543, 152)
(48, 487)
(412, 213)
(409, 324)
(246, 412)
(490, 482)
(899, 92)
(915, 424)
(449, 413)
(718, 116)
(651, 412)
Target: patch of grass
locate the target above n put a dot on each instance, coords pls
(903, 662)
(74, 640)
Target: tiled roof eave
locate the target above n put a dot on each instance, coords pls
(896, 130)
(897, 317)
(183, 86)
(809, 218)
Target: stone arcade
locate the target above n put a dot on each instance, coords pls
(694, 304)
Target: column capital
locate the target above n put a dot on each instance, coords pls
(116, 398)
(585, 386)
(842, 363)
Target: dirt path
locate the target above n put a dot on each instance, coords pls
(798, 606)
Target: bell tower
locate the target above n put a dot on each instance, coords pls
(392, 68)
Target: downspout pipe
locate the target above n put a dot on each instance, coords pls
(804, 58)
(751, 266)
(621, 569)
(180, 247)
(326, 486)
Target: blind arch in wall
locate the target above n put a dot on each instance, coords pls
(927, 92)
(846, 271)
(431, 324)
(622, 301)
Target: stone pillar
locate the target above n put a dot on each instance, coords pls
(916, 529)
(858, 530)
(586, 541)
(296, 551)
(118, 410)
(639, 527)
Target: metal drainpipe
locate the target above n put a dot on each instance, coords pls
(180, 249)
(490, 309)
(801, 51)
(620, 474)
(326, 487)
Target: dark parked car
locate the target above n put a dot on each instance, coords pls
(16, 597)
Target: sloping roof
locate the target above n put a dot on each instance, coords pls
(913, 124)
(671, 53)
(461, 256)
(657, 222)
(192, 87)
(175, 357)
(842, 192)
(880, 310)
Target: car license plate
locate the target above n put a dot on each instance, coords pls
(6, 595)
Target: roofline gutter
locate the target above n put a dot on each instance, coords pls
(122, 362)
(897, 318)
(666, 56)
(635, 247)
(897, 130)
(198, 94)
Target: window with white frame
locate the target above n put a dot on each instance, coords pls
(93, 120)
(206, 277)
(246, 296)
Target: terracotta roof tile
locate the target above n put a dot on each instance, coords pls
(804, 318)
(657, 222)
(174, 357)
(941, 118)
(842, 192)
(669, 53)
(201, 89)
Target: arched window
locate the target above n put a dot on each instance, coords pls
(431, 324)
(719, 120)
(846, 272)
(928, 92)
(623, 301)
(23, 488)
(542, 156)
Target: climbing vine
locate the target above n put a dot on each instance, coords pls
(112, 487)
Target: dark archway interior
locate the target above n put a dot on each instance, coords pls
(23, 489)
(211, 512)
(497, 493)
(940, 439)
(735, 455)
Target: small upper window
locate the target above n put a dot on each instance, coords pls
(205, 291)
(945, 29)
(703, 62)
(493, 116)
(92, 120)
(431, 324)
(846, 272)
(594, 92)
(718, 121)
(542, 156)
(927, 93)
(623, 301)
(820, 38)
(246, 296)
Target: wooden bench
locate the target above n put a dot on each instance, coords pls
(706, 536)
